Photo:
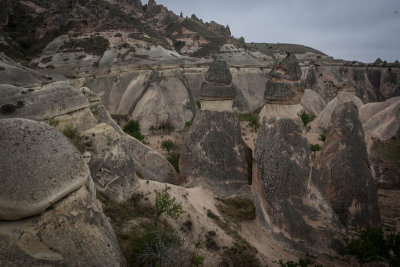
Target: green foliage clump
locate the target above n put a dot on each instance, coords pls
(53, 122)
(315, 147)
(322, 136)
(251, 118)
(241, 209)
(76, 138)
(168, 145)
(197, 260)
(173, 158)
(133, 129)
(95, 45)
(306, 118)
(372, 245)
(198, 103)
(165, 204)
(189, 123)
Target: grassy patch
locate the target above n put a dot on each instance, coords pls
(240, 209)
(251, 118)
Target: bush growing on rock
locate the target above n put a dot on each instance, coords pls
(315, 147)
(173, 158)
(306, 118)
(133, 129)
(72, 133)
(168, 145)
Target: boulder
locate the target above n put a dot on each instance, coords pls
(214, 153)
(345, 169)
(382, 119)
(48, 193)
(39, 166)
(312, 102)
(293, 199)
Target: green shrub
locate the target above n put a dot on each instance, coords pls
(372, 245)
(306, 118)
(53, 122)
(251, 118)
(168, 145)
(198, 103)
(197, 260)
(189, 123)
(173, 158)
(72, 133)
(322, 136)
(165, 204)
(133, 129)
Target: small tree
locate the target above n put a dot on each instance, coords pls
(168, 145)
(133, 129)
(165, 204)
(307, 118)
(314, 148)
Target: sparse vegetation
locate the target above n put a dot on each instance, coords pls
(173, 158)
(95, 45)
(301, 263)
(166, 127)
(251, 118)
(240, 209)
(188, 123)
(322, 136)
(133, 129)
(76, 138)
(306, 118)
(372, 245)
(198, 103)
(168, 145)
(314, 148)
(53, 122)
(165, 204)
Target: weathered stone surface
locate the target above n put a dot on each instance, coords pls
(39, 166)
(74, 232)
(287, 93)
(211, 92)
(285, 86)
(52, 100)
(381, 119)
(111, 166)
(148, 164)
(219, 73)
(345, 169)
(294, 201)
(288, 68)
(214, 153)
(312, 102)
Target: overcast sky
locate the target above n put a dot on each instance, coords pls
(345, 29)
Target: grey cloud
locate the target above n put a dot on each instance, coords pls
(350, 29)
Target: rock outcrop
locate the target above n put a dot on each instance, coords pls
(382, 119)
(48, 180)
(292, 197)
(345, 169)
(214, 153)
(312, 102)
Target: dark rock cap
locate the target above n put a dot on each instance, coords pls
(39, 166)
(287, 93)
(219, 73)
(210, 91)
(288, 68)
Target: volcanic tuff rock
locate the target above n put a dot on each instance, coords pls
(295, 203)
(214, 153)
(312, 102)
(285, 87)
(49, 173)
(345, 169)
(36, 172)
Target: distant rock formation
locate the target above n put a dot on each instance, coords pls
(312, 102)
(293, 199)
(49, 214)
(345, 169)
(214, 153)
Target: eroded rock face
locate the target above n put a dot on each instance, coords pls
(312, 102)
(214, 153)
(39, 166)
(285, 86)
(345, 169)
(47, 179)
(294, 201)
